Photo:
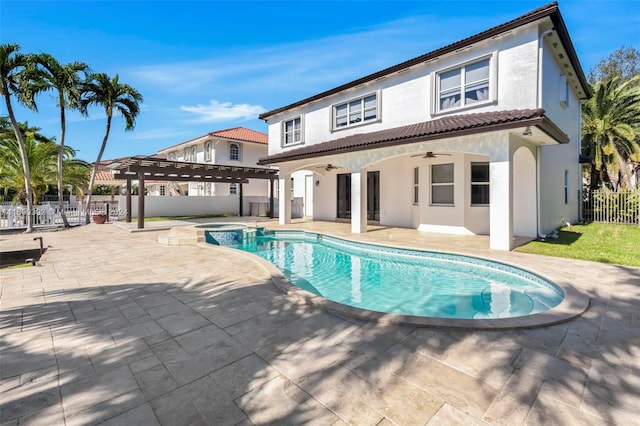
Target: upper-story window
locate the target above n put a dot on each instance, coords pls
(190, 153)
(356, 111)
(207, 151)
(173, 156)
(464, 85)
(292, 132)
(234, 152)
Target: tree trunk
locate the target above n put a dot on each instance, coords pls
(95, 169)
(60, 155)
(23, 157)
(593, 179)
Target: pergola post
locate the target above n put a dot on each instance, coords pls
(128, 206)
(140, 200)
(271, 198)
(241, 202)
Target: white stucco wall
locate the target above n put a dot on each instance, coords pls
(178, 206)
(554, 160)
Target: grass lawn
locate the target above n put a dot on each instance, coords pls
(599, 242)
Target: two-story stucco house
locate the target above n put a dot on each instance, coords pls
(481, 136)
(237, 146)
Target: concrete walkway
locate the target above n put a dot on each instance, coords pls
(113, 328)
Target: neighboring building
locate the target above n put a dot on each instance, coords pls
(237, 146)
(479, 137)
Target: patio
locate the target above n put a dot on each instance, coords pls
(113, 327)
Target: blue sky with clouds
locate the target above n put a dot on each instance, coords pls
(209, 65)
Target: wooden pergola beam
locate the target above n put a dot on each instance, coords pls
(159, 169)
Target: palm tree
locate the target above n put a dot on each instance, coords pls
(12, 65)
(66, 80)
(42, 159)
(611, 130)
(113, 96)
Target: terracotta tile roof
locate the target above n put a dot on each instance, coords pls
(441, 128)
(242, 134)
(102, 176)
(550, 10)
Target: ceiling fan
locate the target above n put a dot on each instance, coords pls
(328, 167)
(429, 154)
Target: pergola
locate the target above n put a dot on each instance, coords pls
(143, 168)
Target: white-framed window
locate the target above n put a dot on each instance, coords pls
(566, 186)
(479, 184)
(193, 154)
(465, 85)
(234, 152)
(292, 132)
(207, 188)
(416, 185)
(172, 156)
(207, 151)
(163, 190)
(442, 184)
(187, 154)
(233, 189)
(356, 111)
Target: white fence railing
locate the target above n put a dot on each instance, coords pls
(612, 207)
(44, 215)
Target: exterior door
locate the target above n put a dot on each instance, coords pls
(344, 196)
(373, 196)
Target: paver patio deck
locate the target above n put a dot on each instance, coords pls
(113, 327)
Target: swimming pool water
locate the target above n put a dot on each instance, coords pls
(408, 282)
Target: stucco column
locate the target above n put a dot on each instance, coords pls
(284, 198)
(501, 207)
(359, 201)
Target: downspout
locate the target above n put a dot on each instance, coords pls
(539, 105)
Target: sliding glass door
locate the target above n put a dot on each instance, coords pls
(344, 196)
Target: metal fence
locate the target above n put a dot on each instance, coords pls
(612, 207)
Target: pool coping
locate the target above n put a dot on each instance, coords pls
(574, 303)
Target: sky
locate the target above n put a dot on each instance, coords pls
(203, 66)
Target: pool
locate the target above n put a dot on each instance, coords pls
(404, 282)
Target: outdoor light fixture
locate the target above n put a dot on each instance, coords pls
(527, 131)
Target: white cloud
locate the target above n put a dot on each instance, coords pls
(302, 67)
(161, 133)
(223, 111)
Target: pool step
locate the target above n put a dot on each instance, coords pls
(182, 236)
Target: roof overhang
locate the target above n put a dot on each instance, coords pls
(156, 168)
(441, 128)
